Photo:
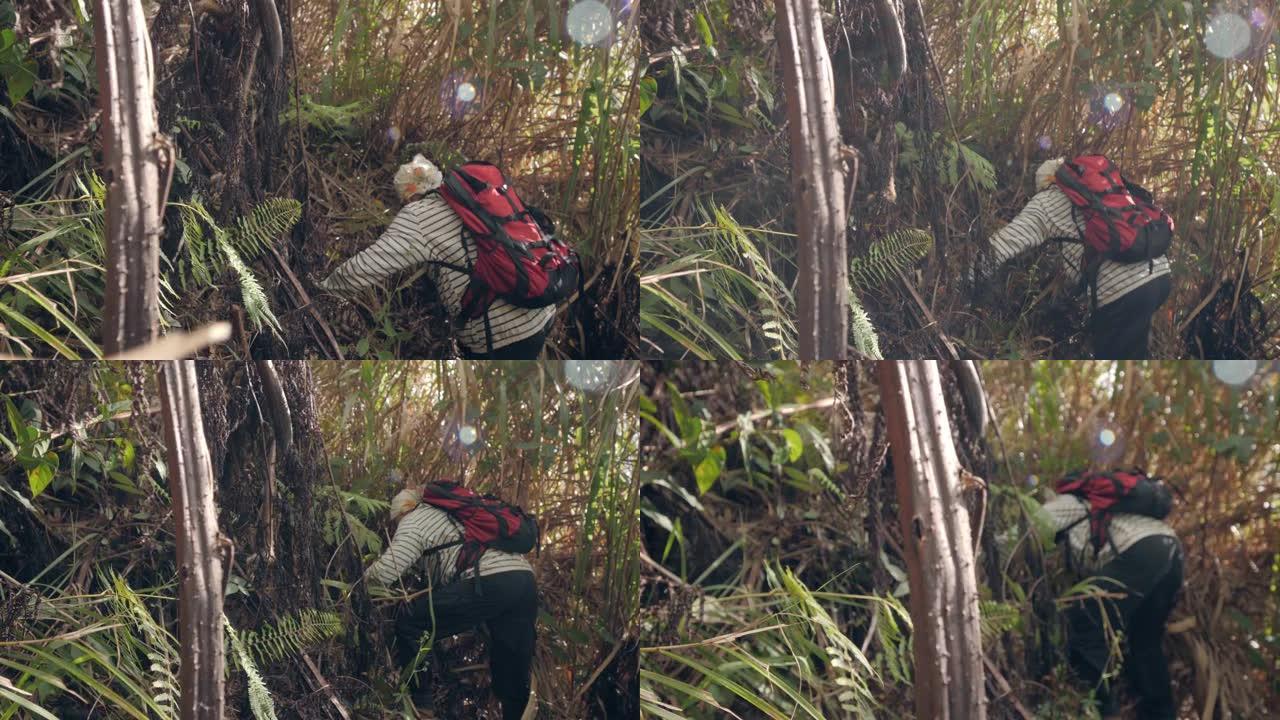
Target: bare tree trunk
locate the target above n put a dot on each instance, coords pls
(195, 517)
(946, 640)
(818, 179)
(135, 156)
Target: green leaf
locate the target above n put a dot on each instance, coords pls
(704, 29)
(795, 444)
(709, 469)
(648, 93)
(20, 79)
(39, 477)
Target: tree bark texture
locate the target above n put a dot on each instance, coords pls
(134, 153)
(191, 485)
(946, 640)
(818, 182)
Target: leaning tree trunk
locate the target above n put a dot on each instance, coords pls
(823, 293)
(196, 529)
(946, 641)
(135, 155)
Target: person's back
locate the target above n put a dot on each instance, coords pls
(499, 592)
(427, 527)
(1128, 294)
(1139, 567)
(429, 231)
(1069, 514)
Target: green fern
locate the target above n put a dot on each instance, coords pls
(259, 697)
(161, 650)
(887, 256)
(997, 618)
(863, 332)
(291, 634)
(981, 172)
(265, 223)
(206, 255)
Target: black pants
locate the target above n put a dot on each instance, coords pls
(1121, 329)
(528, 349)
(507, 603)
(1149, 575)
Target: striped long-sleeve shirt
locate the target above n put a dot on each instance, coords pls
(429, 231)
(426, 527)
(1049, 215)
(1070, 511)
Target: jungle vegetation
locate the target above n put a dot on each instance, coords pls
(945, 109)
(282, 152)
(773, 577)
(89, 580)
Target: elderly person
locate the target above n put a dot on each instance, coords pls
(1127, 294)
(1139, 568)
(499, 593)
(428, 232)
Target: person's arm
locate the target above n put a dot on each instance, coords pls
(1047, 215)
(401, 247)
(407, 545)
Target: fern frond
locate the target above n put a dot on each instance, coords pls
(981, 171)
(863, 332)
(265, 224)
(894, 253)
(997, 618)
(291, 634)
(256, 305)
(260, 702)
(161, 649)
(198, 266)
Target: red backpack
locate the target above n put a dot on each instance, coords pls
(1121, 222)
(487, 522)
(1118, 491)
(518, 256)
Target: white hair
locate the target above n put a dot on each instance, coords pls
(404, 501)
(1046, 171)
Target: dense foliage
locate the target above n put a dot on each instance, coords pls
(774, 583)
(363, 87)
(87, 573)
(1180, 94)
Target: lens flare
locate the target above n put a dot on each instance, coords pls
(1258, 18)
(1227, 35)
(589, 22)
(1235, 372)
(590, 375)
(1107, 438)
(467, 435)
(393, 134)
(1113, 103)
(1032, 481)
(466, 92)
(1045, 142)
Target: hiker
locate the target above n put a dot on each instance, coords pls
(457, 577)
(498, 267)
(1117, 255)
(1112, 530)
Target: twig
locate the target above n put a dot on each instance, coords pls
(577, 697)
(323, 686)
(1005, 688)
(178, 344)
(781, 410)
(305, 302)
(928, 315)
(1212, 294)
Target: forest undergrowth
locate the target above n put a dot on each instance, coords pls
(303, 153)
(88, 611)
(774, 583)
(944, 157)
